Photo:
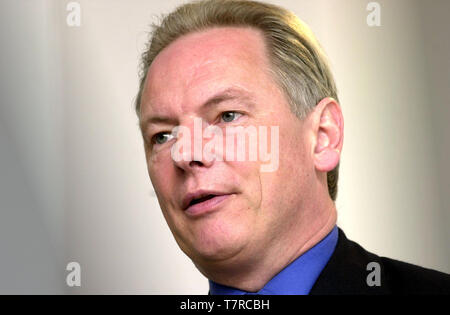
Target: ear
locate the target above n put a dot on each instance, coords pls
(328, 127)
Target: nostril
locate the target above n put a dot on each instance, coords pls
(195, 163)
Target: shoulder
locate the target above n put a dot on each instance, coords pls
(350, 267)
(405, 278)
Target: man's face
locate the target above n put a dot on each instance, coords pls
(257, 210)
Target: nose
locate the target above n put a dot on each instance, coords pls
(190, 165)
(187, 152)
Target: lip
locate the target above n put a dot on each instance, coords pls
(198, 194)
(220, 196)
(207, 206)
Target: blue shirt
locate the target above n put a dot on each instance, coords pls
(297, 278)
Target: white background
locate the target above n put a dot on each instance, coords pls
(73, 179)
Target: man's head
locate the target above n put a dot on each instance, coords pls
(261, 65)
(297, 61)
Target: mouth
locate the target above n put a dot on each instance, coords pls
(203, 201)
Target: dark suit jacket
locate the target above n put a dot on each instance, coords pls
(346, 273)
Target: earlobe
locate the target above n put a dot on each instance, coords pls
(326, 160)
(329, 134)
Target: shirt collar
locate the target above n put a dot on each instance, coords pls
(295, 279)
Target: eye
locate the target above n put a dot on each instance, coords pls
(230, 116)
(162, 137)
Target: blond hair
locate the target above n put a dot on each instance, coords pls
(297, 60)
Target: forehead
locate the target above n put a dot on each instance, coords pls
(197, 65)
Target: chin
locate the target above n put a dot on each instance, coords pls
(219, 242)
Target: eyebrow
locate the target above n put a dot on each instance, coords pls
(220, 97)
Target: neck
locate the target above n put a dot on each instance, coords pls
(252, 274)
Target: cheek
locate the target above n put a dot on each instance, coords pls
(248, 177)
(283, 188)
(159, 168)
(162, 176)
